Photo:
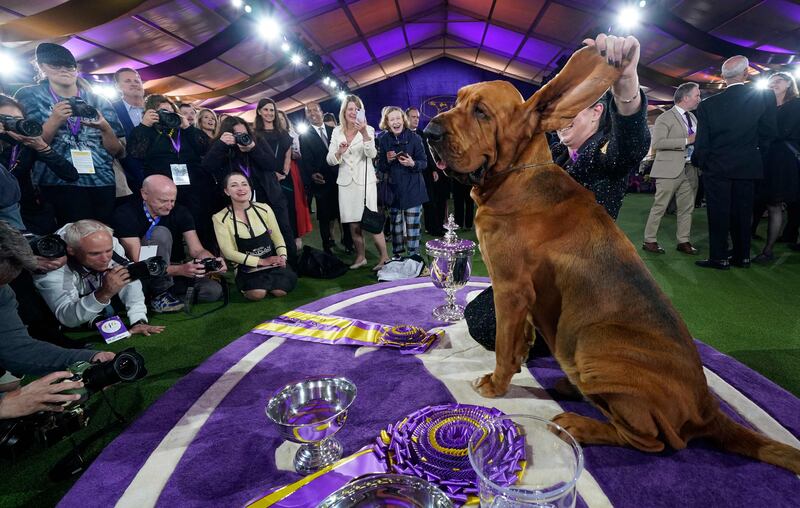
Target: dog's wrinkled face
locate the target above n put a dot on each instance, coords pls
(483, 113)
(491, 128)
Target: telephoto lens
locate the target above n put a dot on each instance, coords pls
(127, 366)
(156, 266)
(29, 128)
(48, 246)
(168, 119)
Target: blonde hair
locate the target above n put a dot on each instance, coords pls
(198, 120)
(384, 125)
(347, 100)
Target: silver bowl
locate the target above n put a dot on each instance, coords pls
(310, 412)
(387, 490)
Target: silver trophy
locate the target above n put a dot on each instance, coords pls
(310, 413)
(373, 490)
(451, 267)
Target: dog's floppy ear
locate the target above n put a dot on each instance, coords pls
(582, 81)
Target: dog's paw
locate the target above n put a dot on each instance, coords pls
(487, 388)
(572, 423)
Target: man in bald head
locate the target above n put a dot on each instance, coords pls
(734, 131)
(156, 226)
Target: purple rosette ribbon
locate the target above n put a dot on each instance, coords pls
(431, 443)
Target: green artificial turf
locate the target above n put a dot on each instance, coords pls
(751, 315)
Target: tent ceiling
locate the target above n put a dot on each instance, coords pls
(366, 41)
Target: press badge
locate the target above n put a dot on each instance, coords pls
(82, 160)
(147, 252)
(112, 329)
(180, 174)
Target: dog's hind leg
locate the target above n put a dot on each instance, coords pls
(588, 431)
(512, 311)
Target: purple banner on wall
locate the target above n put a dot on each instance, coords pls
(430, 88)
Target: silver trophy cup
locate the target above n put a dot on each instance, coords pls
(310, 413)
(451, 267)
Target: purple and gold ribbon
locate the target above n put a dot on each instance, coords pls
(329, 329)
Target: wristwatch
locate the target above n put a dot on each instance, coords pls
(140, 322)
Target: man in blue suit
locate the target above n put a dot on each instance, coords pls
(129, 110)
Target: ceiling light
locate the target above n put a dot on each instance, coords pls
(285, 47)
(326, 81)
(628, 17)
(237, 3)
(310, 63)
(248, 9)
(642, 4)
(302, 128)
(762, 83)
(296, 59)
(342, 96)
(107, 91)
(269, 29)
(8, 65)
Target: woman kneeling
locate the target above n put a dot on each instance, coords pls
(248, 235)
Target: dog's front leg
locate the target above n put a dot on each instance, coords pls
(512, 311)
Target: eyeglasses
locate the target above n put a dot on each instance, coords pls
(70, 68)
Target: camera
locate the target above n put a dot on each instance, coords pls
(47, 428)
(168, 119)
(242, 138)
(30, 128)
(210, 264)
(48, 246)
(81, 108)
(156, 266)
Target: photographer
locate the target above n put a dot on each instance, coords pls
(256, 161)
(82, 290)
(80, 126)
(19, 352)
(22, 152)
(166, 144)
(152, 226)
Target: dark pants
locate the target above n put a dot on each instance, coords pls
(729, 204)
(328, 213)
(790, 232)
(35, 314)
(463, 204)
(73, 203)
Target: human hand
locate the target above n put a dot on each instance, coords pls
(184, 121)
(228, 138)
(35, 142)
(61, 111)
(617, 49)
(249, 147)
(361, 127)
(690, 139)
(103, 356)
(318, 178)
(149, 118)
(190, 269)
(146, 329)
(342, 149)
(113, 281)
(406, 160)
(49, 264)
(97, 123)
(435, 176)
(391, 155)
(40, 395)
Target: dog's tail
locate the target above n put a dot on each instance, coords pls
(733, 437)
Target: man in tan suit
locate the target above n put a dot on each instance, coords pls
(673, 142)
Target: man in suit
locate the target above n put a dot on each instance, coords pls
(673, 144)
(736, 128)
(320, 178)
(436, 183)
(129, 110)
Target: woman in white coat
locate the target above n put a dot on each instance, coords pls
(352, 147)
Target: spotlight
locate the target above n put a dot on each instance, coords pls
(269, 29)
(642, 4)
(629, 17)
(248, 9)
(762, 83)
(326, 81)
(310, 63)
(107, 91)
(237, 3)
(285, 47)
(8, 65)
(342, 96)
(797, 72)
(302, 128)
(296, 59)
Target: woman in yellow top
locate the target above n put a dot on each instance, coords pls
(248, 235)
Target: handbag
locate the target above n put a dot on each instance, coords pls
(371, 222)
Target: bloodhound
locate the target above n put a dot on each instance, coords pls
(559, 263)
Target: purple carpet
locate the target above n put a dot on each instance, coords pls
(231, 459)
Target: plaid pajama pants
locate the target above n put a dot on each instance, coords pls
(410, 218)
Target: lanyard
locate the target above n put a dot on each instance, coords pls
(153, 221)
(13, 160)
(245, 168)
(73, 122)
(176, 143)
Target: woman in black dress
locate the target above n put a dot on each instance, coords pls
(781, 173)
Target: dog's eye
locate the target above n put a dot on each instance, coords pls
(480, 113)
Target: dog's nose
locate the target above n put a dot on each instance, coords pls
(434, 131)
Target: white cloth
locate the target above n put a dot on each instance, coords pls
(62, 290)
(399, 269)
(355, 162)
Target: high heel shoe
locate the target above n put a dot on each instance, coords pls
(356, 266)
(380, 265)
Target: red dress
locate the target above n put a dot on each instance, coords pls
(300, 201)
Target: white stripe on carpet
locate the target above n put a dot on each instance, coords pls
(464, 360)
(151, 479)
(366, 296)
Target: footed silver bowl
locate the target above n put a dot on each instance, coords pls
(310, 412)
(387, 490)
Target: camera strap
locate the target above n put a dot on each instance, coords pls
(176, 141)
(191, 298)
(73, 122)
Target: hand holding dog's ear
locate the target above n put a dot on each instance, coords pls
(621, 52)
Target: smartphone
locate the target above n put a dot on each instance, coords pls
(402, 154)
(361, 116)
